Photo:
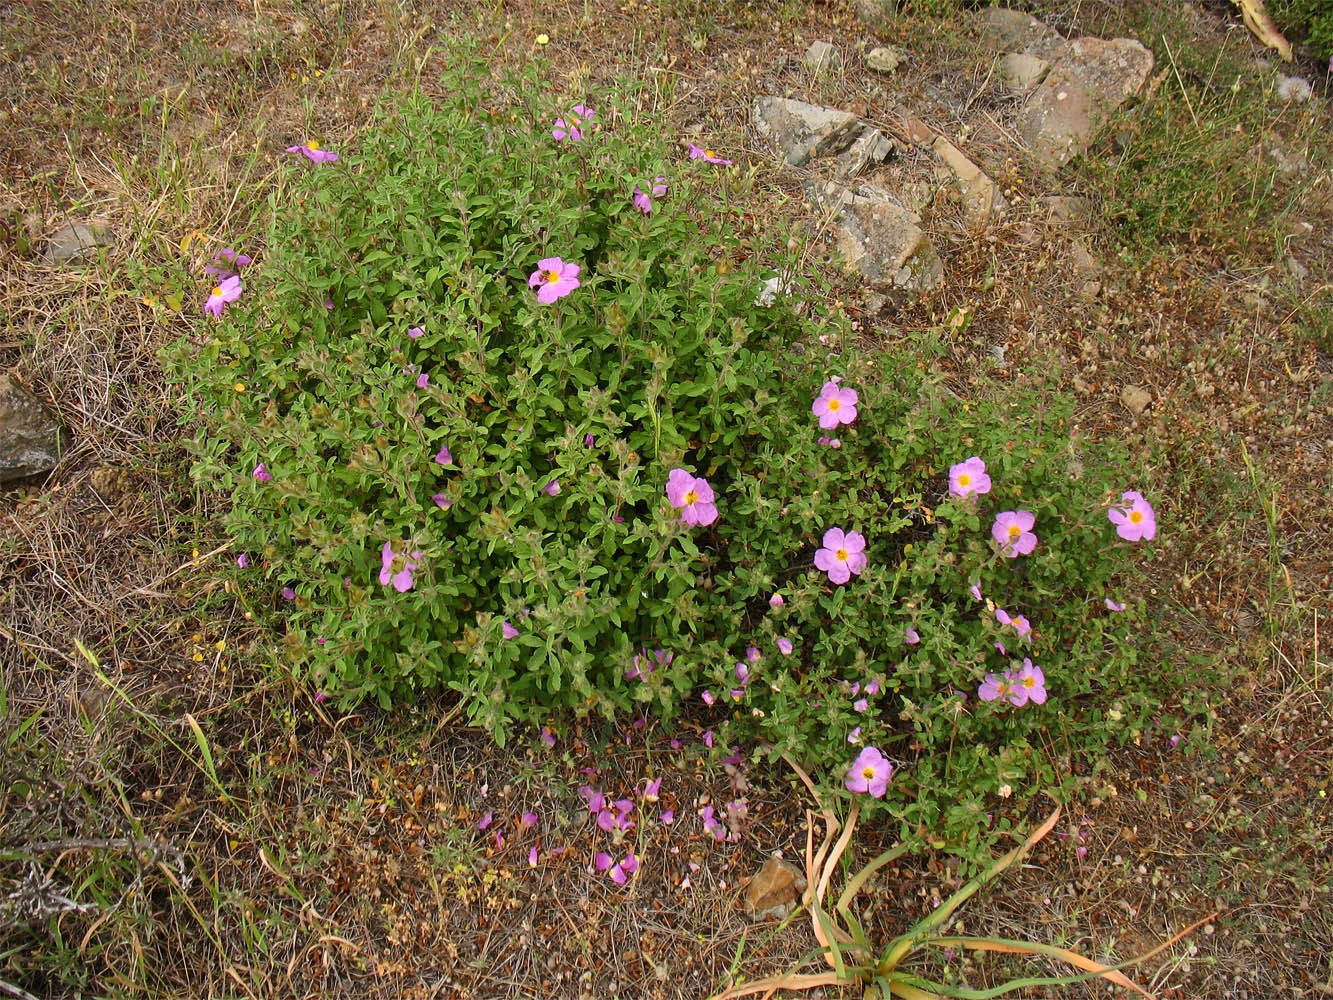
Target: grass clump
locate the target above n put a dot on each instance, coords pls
(1214, 159)
(455, 464)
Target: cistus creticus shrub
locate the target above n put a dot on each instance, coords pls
(503, 433)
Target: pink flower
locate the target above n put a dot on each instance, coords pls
(643, 202)
(975, 590)
(785, 646)
(442, 501)
(227, 262)
(533, 856)
(423, 380)
(444, 456)
(1135, 520)
(1029, 684)
(707, 155)
(861, 704)
(830, 442)
(652, 790)
(646, 662)
(969, 477)
(527, 821)
(911, 637)
(854, 737)
(836, 405)
(872, 688)
(243, 561)
(554, 279)
(508, 631)
(572, 130)
(415, 331)
(1020, 624)
(1013, 530)
(486, 820)
(708, 698)
(261, 473)
(288, 594)
(589, 440)
(313, 153)
(594, 799)
(842, 555)
(548, 737)
(397, 568)
(552, 489)
(776, 601)
(227, 290)
(621, 872)
(1114, 605)
(693, 495)
(993, 688)
(708, 738)
(869, 773)
(668, 816)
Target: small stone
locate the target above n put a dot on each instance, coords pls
(982, 200)
(1289, 162)
(884, 59)
(1069, 210)
(29, 435)
(1135, 399)
(774, 891)
(871, 148)
(823, 57)
(1021, 72)
(1294, 88)
(76, 241)
(880, 238)
(1013, 30)
(876, 13)
(802, 130)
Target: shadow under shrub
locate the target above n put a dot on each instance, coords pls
(421, 418)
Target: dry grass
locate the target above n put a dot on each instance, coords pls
(276, 850)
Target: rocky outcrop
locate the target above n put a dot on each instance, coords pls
(1073, 85)
(29, 435)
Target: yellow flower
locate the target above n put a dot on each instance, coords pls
(542, 39)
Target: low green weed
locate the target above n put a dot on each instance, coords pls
(501, 412)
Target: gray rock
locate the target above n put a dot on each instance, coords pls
(29, 435)
(75, 241)
(982, 201)
(884, 59)
(1289, 162)
(1069, 211)
(1111, 69)
(801, 131)
(1012, 30)
(1021, 72)
(1135, 399)
(823, 57)
(871, 147)
(1092, 79)
(876, 13)
(880, 238)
